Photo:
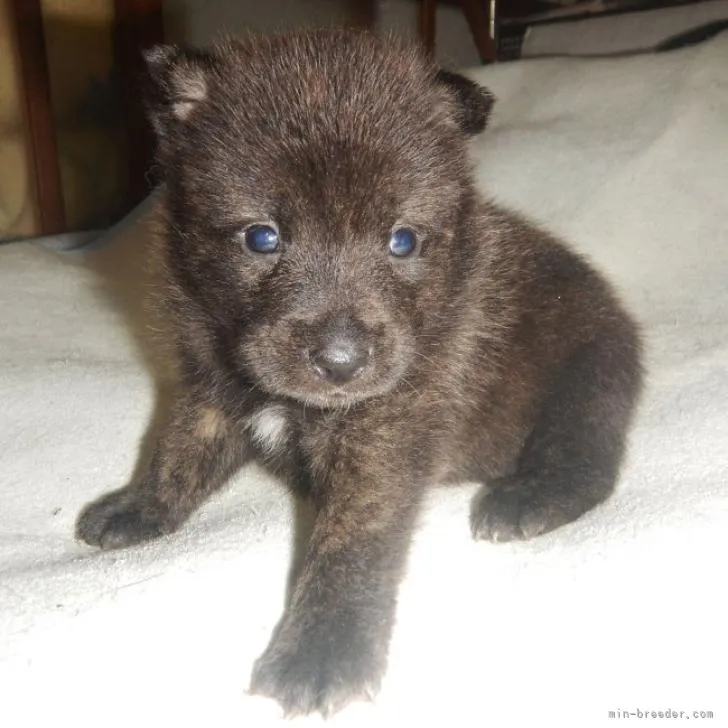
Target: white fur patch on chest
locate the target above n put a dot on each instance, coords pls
(268, 427)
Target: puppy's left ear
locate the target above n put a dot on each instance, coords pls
(472, 102)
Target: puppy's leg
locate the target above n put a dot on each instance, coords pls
(331, 644)
(196, 453)
(571, 459)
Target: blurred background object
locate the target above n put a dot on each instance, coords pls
(72, 118)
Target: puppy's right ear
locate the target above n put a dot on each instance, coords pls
(177, 84)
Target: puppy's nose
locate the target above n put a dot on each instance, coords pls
(340, 359)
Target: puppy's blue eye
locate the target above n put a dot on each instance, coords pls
(262, 239)
(403, 242)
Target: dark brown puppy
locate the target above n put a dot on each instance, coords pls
(347, 310)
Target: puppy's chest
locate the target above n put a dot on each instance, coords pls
(282, 433)
(271, 429)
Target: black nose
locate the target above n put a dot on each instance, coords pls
(340, 359)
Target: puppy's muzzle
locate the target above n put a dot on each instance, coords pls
(341, 351)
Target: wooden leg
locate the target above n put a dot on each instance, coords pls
(39, 114)
(479, 16)
(428, 12)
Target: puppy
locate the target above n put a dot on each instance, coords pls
(347, 310)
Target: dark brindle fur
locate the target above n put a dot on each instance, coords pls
(491, 352)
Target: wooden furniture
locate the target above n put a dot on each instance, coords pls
(498, 26)
(38, 114)
(481, 17)
(137, 24)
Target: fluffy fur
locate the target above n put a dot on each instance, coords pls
(491, 352)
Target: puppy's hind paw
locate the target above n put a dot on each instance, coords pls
(512, 515)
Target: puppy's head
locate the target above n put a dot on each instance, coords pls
(316, 186)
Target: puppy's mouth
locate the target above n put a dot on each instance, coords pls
(335, 397)
(316, 389)
(326, 385)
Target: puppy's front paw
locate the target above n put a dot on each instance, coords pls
(513, 514)
(312, 670)
(120, 519)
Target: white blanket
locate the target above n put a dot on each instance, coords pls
(624, 610)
